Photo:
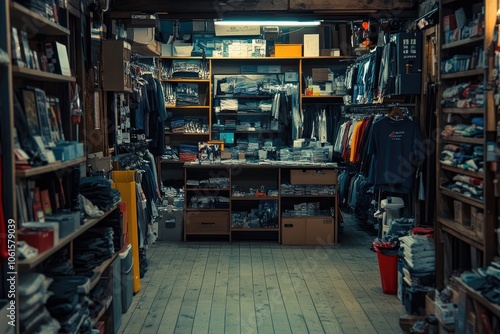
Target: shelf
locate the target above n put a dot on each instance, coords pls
(242, 96)
(323, 97)
(167, 161)
(206, 210)
(207, 189)
(186, 107)
(462, 42)
(28, 73)
(245, 131)
(463, 171)
(185, 134)
(262, 229)
(462, 111)
(307, 196)
(186, 80)
(100, 269)
(25, 265)
(36, 23)
(473, 294)
(265, 198)
(457, 196)
(461, 232)
(465, 140)
(243, 113)
(260, 58)
(108, 301)
(49, 168)
(470, 73)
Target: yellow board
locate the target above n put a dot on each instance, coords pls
(124, 182)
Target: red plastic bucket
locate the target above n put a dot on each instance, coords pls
(388, 266)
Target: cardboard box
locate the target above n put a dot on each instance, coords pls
(313, 176)
(462, 213)
(311, 45)
(288, 50)
(445, 312)
(115, 66)
(141, 35)
(477, 221)
(320, 74)
(293, 231)
(320, 231)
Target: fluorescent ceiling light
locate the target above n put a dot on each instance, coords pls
(268, 23)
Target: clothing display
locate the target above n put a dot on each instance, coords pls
(98, 190)
(397, 151)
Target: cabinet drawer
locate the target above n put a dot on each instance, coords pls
(313, 176)
(207, 222)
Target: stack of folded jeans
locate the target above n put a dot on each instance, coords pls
(59, 265)
(34, 317)
(419, 259)
(93, 248)
(99, 298)
(98, 190)
(69, 303)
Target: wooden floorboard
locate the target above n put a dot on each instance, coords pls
(264, 287)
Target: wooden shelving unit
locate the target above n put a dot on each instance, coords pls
(27, 73)
(49, 168)
(20, 14)
(25, 265)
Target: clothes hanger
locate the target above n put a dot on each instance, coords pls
(396, 114)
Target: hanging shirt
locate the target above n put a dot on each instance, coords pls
(397, 149)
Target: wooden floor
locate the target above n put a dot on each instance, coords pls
(252, 287)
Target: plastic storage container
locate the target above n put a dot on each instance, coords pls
(388, 266)
(117, 293)
(127, 284)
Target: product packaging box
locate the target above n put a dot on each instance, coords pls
(287, 50)
(462, 213)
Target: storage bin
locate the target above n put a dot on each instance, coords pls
(170, 224)
(414, 300)
(288, 50)
(126, 278)
(117, 293)
(388, 267)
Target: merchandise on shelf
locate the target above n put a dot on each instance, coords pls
(463, 95)
(467, 157)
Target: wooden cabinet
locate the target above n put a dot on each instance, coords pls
(250, 202)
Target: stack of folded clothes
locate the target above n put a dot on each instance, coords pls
(473, 130)
(463, 95)
(93, 248)
(486, 280)
(467, 186)
(69, 303)
(33, 315)
(100, 297)
(98, 190)
(419, 259)
(59, 264)
(465, 156)
(188, 152)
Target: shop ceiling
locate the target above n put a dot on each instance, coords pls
(217, 9)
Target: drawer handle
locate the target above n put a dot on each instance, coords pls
(288, 225)
(207, 223)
